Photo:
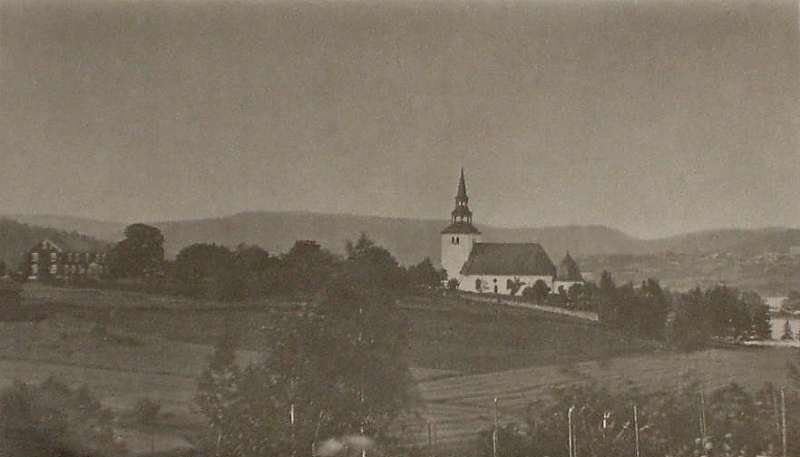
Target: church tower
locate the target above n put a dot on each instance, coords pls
(459, 237)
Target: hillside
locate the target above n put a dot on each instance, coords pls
(413, 239)
(410, 240)
(16, 238)
(111, 231)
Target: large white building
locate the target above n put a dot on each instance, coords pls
(501, 268)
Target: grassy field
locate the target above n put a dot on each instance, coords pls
(449, 334)
(461, 406)
(128, 346)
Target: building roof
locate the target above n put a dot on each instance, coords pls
(568, 270)
(461, 228)
(77, 243)
(508, 259)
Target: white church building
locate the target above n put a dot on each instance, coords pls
(500, 268)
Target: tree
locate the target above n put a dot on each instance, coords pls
(424, 276)
(538, 292)
(211, 270)
(452, 284)
(788, 335)
(51, 419)
(652, 316)
(302, 391)
(762, 329)
(253, 259)
(218, 391)
(197, 262)
(307, 267)
(139, 254)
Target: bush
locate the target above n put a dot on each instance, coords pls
(52, 419)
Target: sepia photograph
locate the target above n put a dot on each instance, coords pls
(399, 228)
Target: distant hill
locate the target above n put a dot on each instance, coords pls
(109, 231)
(734, 241)
(16, 238)
(411, 240)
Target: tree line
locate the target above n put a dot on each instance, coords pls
(219, 272)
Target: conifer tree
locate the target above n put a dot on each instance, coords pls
(787, 332)
(761, 324)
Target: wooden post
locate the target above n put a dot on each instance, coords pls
(570, 434)
(291, 426)
(636, 428)
(494, 432)
(702, 418)
(783, 424)
(430, 439)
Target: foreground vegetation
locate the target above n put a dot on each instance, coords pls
(335, 338)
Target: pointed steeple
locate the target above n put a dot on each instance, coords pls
(462, 188)
(461, 217)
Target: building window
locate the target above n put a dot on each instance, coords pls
(53, 256)
(34, 256)
(458, 240)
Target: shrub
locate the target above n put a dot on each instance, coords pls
(52, 419)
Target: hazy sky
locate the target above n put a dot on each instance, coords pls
(654, 117)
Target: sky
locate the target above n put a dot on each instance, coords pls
(655, 117)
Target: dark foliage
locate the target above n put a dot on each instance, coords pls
(140, 254)
(424, 277)
(52, 419)
(335, 370)
(734, 423)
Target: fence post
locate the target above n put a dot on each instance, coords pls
(783, 423)
(570, 433)
(495, 431)
(636, 428)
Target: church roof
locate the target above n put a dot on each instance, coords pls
(568, 270)
(462, 228)
(508, 259)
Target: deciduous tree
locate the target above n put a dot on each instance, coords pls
(139, 254)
